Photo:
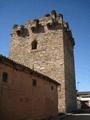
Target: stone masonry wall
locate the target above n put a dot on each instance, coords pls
(69, 73)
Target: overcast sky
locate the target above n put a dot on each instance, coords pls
(76, 12)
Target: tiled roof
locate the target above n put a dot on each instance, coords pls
(83, 93)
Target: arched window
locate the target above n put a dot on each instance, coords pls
(34, 45)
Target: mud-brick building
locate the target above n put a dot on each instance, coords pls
(47, 46)
(25, 93)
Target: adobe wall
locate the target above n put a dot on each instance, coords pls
(19, 99)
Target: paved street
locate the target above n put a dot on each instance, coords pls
(77, 117)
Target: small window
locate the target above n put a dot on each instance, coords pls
(27, 99)
(49, 26)
(21, 99)
(34, 45)
(5, 77)
(52, 88)
(33, 29)
(34, 82)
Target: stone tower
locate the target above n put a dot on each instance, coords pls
(47, 46)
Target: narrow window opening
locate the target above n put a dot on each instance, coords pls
(21, 99)
(34, 45)
(49, 26)
(52, 88)
(33, 29)
(5, 77)
(34, 83)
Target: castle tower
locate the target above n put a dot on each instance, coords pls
(47, 46)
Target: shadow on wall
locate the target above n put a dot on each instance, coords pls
(84, 105)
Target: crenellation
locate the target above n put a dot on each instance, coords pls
(67, 26)
(47, 15)
(52, 22)
(20, 31)
(15, 26)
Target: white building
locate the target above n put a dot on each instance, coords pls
(83, 100)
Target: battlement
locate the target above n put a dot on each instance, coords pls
(52, 21)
